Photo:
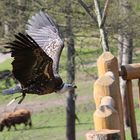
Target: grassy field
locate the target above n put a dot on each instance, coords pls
(48, 112)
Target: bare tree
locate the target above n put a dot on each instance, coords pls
(125, 46)
(100, 19)
(101, 22)
(70, 109)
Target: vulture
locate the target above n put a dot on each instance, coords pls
(36, 54)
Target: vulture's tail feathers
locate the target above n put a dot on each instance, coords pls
(13, 90)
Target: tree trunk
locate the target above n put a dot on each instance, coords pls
(6, 29)
(120, 49)
(70, 109)
(126, 59)
(125, 54)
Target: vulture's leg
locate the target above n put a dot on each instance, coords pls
(22, 97)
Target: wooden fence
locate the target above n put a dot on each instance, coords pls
(108, 116)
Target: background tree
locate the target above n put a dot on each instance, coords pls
(124, 28)
(119, 23)
(79, 28)
(125, 45)
(70, 109)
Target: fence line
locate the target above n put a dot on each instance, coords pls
(108, 116)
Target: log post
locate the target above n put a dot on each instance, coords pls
(130, 72)
(139, 91)
(106, 117)
(107, 62)
(134, 133)
(105, 134)
(105, 86)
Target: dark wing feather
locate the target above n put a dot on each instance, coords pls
(30, 61)
(44, 31)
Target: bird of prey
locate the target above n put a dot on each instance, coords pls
(36, 56)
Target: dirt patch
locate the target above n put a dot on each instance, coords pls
(37, 106)
(34, 107)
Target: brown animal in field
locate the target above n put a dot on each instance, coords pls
(18, 117)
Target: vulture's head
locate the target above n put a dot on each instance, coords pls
(66, 87)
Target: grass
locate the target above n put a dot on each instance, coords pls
(6, 65)
(46, 127)
(50, 124)
(49, 121)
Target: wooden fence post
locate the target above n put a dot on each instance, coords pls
(106, 117)
(139, 91)
(105, 86)
(130, 72)
(133, 126)
(107, 62)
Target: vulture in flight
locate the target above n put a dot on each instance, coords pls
(36, 58)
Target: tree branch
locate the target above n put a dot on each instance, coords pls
(104, 39)
(104, 14)
(83, 4)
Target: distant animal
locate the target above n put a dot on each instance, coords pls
(36, 58)
(13, 118)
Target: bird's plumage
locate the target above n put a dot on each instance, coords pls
(43, 30)
(32, 67)
(36, 56)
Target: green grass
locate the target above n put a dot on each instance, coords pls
(6, 65)
(50, 121)
(49, 124)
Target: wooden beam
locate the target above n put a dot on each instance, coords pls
(130, 71)
(105, 134)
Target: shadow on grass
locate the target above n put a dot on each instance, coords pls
(37, 128)
(57, 126)
(46, 127)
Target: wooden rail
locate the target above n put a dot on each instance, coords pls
(128, 73)
(108, 116)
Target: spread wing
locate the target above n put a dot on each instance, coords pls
(44, 31)
(30, 61)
